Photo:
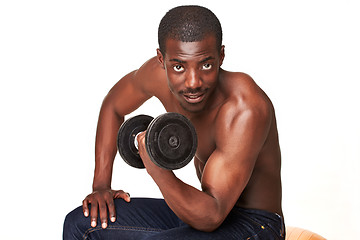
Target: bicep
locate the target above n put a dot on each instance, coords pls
(229, 168)
(224, 178)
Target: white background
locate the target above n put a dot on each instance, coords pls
(58, 59)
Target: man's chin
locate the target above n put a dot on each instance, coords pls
(193, 108)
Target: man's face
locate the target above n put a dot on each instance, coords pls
(192, 70)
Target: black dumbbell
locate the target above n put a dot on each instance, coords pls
(170, 140)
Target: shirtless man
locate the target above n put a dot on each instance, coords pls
(237, 161)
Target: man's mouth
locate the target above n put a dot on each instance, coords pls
(194, 98)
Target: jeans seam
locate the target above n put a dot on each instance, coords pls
(126, 228)
(259, 224)
(263, 227)
(274, 232)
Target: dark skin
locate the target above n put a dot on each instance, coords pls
(238, 158)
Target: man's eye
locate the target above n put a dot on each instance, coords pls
(206, 66)
(178, 68)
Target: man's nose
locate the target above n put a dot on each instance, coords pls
(193, 80)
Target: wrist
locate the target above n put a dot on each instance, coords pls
(101, 186)
(159, 174)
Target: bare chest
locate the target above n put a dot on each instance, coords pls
(205, 130)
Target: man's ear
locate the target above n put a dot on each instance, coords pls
(222, 54)
(160, 58)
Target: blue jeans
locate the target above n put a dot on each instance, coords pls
(145, 218)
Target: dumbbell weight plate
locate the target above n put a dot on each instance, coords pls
(171, 141)
(126, 139)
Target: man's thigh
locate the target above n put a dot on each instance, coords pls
(140, 218)
(240, 224)
(153, 219)
(146, 213)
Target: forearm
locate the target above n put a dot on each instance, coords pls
(103, 171)
(196, 208)
(105, 147)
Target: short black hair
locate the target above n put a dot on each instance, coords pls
(188, 24)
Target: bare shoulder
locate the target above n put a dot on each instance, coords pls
(136, 87)
(146, 79)
(151, 76)
(243, 95)
(245, 106)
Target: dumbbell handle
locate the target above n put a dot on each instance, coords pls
(136, 143)
(173, 141)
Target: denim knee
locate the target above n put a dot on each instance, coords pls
(75, 224)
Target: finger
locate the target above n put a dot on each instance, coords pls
(103, 213)
(141, 137)
(127, 197)
(123, 195)
(94, 214)
(86, 207)
(112, 212)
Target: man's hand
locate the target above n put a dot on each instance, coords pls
(101, 201)
(149, 165)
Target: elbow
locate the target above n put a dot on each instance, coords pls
(209, 229)
(209, 225)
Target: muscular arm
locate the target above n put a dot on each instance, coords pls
(126, 96)
(123, 98)
(239, 138)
